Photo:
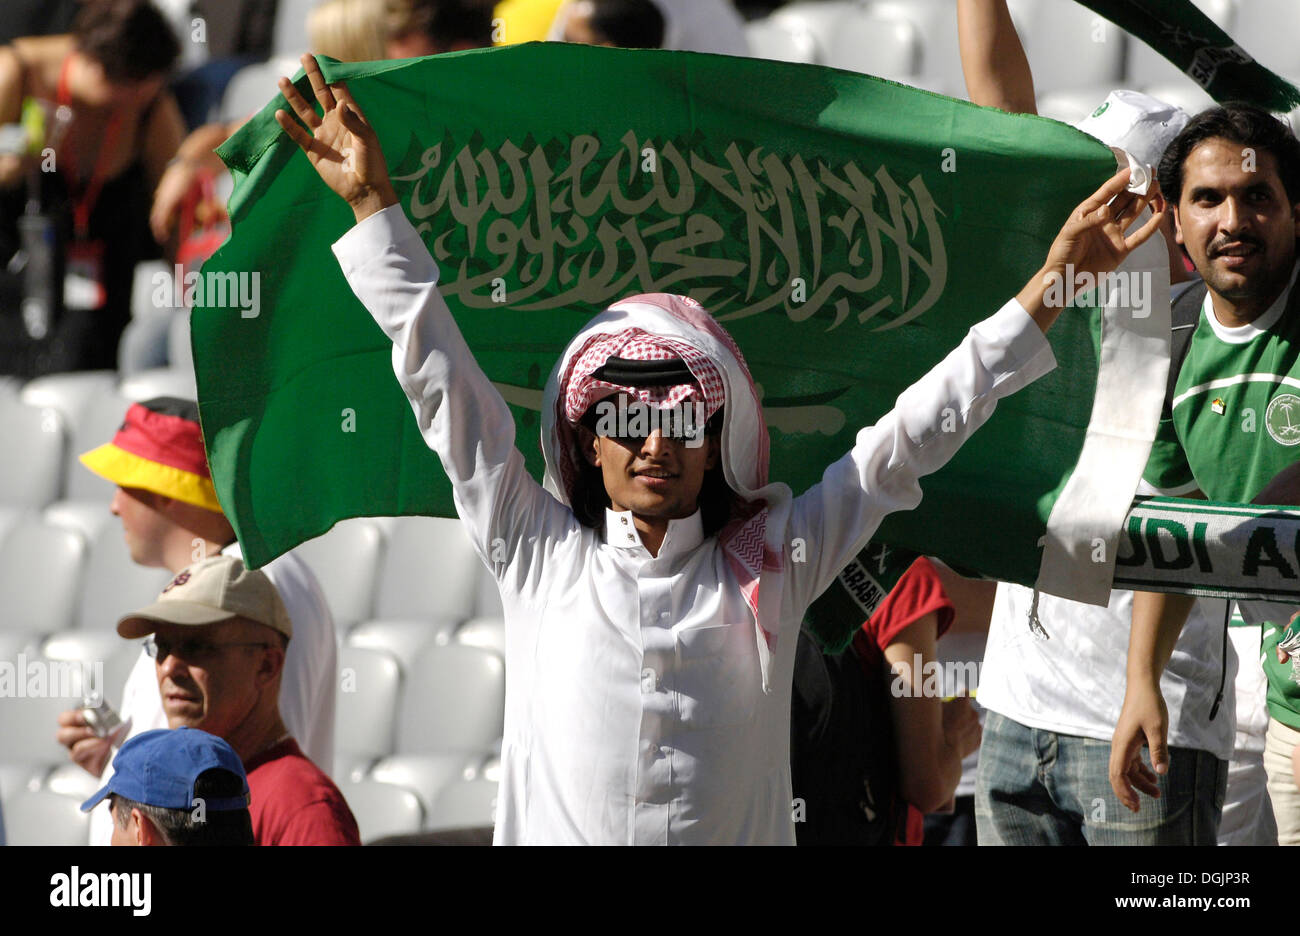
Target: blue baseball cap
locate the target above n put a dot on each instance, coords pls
(159, 767)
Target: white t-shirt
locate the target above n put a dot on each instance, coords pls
(1252, 688)
(307, 689)
(1073, 683)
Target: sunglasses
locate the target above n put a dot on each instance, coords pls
(192, 649)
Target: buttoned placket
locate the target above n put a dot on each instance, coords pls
(655, 787)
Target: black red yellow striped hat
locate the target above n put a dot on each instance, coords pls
(160, 449)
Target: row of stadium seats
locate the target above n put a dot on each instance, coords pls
(68, 568)
(1071, 51)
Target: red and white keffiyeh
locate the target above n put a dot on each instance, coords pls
(660, 326)
(634, 344)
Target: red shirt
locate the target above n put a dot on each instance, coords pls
(918, 593)
(293, 802)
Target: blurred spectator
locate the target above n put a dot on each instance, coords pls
(524, 20)
(20, 18)
(872, 746)
(348, 30)
(428, 27)
(341, 29)
(110, 129)
(693, 25)
(218, 634)
(184, 787)
(218, 38)
(624, 24)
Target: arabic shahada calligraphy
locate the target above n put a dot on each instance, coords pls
(564, 225)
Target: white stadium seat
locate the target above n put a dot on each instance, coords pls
(1069, 46)
(365, 725)
(71, 780)
(782, 42)
(41, 570)
(70, 394)
(179, 352)
(21, 775)
(144, 287)
(426, 775)
(888, 47)
(31, 469)
(253, 86)
(466, 803)
(453, 700)
(86, 517)
(45, 818)
(114, 584)
(403, 639)
(429, 570)
(8, 517)
(27, 724)
(346, 561)
(486, 632)
(382, 809)
(158, 382)
(114, 655)
(816, 18)
(93, 411)
(936, 24)
(1269, 30)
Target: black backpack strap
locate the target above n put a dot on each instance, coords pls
(1184, 316)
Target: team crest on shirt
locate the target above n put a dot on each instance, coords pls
(1218, 406)
(1282, 418)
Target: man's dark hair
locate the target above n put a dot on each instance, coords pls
(629, 24)
(1243, 124)
(130, 39)
(180, 827)
(446, 23)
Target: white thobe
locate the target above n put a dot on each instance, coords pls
(635, 711)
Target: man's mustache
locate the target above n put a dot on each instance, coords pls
(1244, 240)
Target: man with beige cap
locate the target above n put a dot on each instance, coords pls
(218, 634)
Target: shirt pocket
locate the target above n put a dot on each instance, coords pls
(717, 676)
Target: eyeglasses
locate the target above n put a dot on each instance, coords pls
(193, 649)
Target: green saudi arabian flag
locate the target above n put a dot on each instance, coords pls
(846, 230)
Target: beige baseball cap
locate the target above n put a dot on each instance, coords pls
(210, 591)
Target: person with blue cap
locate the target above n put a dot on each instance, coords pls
(177, 787)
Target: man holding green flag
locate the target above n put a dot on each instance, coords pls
(652, 588)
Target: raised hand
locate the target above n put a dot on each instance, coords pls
(340, 143)
(1093, 240)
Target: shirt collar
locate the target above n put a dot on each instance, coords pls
(683, 535)
(1243, 333)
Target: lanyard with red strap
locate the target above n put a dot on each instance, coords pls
(85, 204)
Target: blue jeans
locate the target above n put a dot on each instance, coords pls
(1042, 788)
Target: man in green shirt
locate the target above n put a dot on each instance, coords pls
(1232, 177)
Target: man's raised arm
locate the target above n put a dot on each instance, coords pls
(993, 61)
(461, 416)
(935, 415)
